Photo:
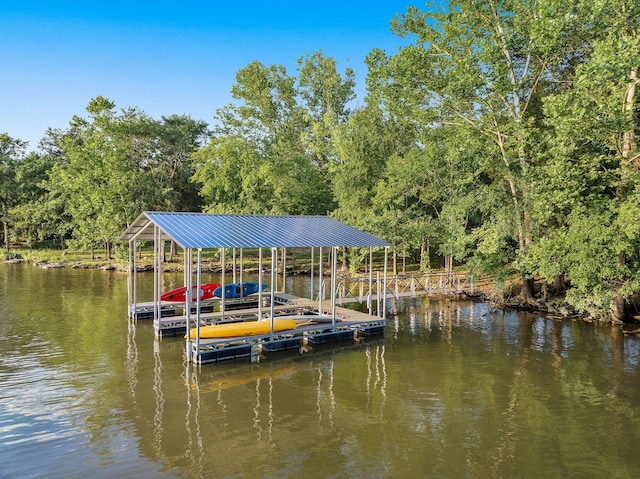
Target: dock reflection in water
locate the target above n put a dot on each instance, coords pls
(236, 415)
(453, 389)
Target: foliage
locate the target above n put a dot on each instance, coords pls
(5, 254)
(12, 151)
(503, 135)
(591, 177)
(270, 152)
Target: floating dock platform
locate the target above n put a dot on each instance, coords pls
(313, 327)
(316, 322)
(306, 333)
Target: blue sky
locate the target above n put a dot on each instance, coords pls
(166, 57)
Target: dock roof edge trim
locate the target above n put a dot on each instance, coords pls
(202, 230)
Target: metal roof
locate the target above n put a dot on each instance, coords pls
(199, 230)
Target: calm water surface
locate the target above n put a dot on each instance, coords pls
(453, 390)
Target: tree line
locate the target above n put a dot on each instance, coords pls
(503, 135)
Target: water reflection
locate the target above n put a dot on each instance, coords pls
(453, 389)
(159, 396)
(132, 358)
(194, 447)
(376, 367)
(276, 397)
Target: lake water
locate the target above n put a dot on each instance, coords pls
(452, 390)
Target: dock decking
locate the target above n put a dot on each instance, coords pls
(195, 232)
(307, 331)
(314, 325)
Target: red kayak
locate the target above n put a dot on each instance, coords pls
(179, 294)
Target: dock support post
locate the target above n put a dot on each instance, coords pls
(129, 281)
(320, 289)
(284, 269)
(259, 284)
(233, 274)
(223, 254)
(198, 301)
(370, 299)
(311, 282)
(157, 275)
(334, 250)
(274, 276)
(155, 272)
(132, 284)
(384, 297)
(240, 272)
(135, 277)
(378, 293)
(188, 277)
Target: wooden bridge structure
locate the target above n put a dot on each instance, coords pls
(365, 289)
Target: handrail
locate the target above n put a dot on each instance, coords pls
(359, 288)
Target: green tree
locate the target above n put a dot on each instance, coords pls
(365, 146)
(102, 187)
(326, 95)
(270, 150)
(34, 217)
(178, 137)
(486, 66)
(590, 180)
(12, 151)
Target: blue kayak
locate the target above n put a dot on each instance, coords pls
(238, 290)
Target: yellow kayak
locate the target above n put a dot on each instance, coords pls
(248, 328)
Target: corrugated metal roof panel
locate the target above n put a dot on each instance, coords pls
(198, 230)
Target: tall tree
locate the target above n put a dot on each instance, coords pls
(34, 216)
(593, 170)
(103, 189)
(270, 150)
(326, 96)
(12, 151)
(485, 65)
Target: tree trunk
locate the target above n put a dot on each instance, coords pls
(395, 262)
(345, 259)
(527, 288)
(172, 253)
(619, 314)
(425, 255)
(5, 226)
(559, 285)
(630, 145)
(630, 159)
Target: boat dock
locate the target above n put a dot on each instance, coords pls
(311, 322)
(313, 326)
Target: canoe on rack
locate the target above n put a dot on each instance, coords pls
(247, 328)
(179, 294)
(238, 290)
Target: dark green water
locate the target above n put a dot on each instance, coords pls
(453, 390)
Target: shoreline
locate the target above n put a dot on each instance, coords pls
(554, 308)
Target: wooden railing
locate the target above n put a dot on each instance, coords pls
(363, 288)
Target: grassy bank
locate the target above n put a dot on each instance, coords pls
(298, 259)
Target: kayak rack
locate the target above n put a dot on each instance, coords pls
(308, 334)
(195, 232)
